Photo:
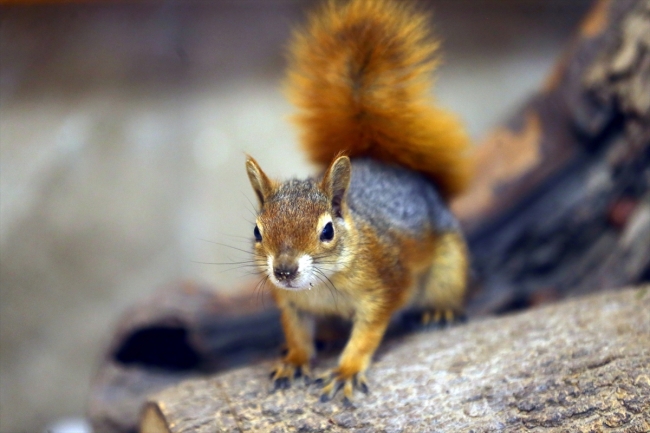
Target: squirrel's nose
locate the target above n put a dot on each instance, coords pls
(285, 272)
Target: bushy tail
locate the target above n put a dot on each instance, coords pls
(360, 73)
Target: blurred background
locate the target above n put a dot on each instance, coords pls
(123, 128)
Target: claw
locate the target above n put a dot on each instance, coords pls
(432, 319)
(364, 388)
(446, 317)
(283, 375)
(281, 383)
(333, 382)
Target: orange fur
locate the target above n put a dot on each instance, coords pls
(360, 73)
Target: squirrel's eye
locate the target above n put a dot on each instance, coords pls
(328, 233)
(258, 235)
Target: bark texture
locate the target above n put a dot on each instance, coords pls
(561, 201)
(578, 366)
(184, 331)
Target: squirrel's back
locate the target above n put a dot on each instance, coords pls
(360, 73)
(392, 197)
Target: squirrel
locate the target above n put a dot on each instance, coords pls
(373, 234)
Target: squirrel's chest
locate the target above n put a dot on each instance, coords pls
(322, 300)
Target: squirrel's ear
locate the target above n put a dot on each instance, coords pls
(336, 182)
(259, 181)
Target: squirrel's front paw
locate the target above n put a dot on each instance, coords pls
(284, 373)
(333, 381)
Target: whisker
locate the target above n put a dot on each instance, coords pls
(337, 264)
(331, 287)
(251, 270)
(248, 262)
(259, 290)
(251, 203)
(227, 246)
(326, 277)
(239, 237)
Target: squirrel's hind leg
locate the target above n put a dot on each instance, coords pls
(442, 297)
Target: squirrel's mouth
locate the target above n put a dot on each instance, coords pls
(293, 286)
(302, 281)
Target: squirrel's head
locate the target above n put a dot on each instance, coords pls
(301, 229)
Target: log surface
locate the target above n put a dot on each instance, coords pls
(582, 365)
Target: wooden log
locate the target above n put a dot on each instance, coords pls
(560, 204)
(578, 366)
(185, 330)
(603, 75)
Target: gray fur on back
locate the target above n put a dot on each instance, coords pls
(389, 196)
